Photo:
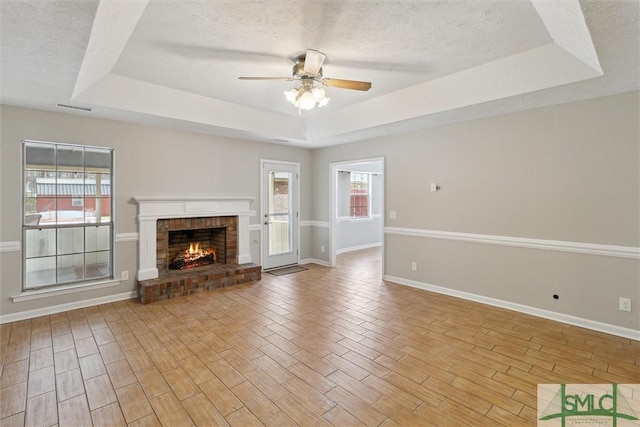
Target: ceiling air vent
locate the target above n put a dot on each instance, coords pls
(74, 107)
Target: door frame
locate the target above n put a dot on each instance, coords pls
(333, 215)
(296, 207)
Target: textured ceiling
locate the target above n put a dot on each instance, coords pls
(176, 63)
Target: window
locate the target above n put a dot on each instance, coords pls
(359, 195)
(68, 213)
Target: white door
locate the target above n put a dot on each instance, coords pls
(279, 196)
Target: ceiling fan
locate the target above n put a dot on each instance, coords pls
(307, 70)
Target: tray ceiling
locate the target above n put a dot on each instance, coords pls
(176, 63)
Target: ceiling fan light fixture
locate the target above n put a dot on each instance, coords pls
(307, 96)
(291, 95)
(307, 101)
(308, 70)
(318, 93)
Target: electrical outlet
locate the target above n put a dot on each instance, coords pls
(625, 304)
(414, 266)
(124, 275)
(322, 249)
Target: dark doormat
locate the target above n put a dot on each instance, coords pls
(286, 270)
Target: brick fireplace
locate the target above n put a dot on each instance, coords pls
(217, 232)
(167, 224)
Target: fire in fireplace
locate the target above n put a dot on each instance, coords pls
(176, 235)
(194, 256)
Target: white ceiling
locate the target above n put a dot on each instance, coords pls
(177, 63)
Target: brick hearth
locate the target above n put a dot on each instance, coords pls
(185, 282)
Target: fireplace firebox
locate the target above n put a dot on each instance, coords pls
(195, 248)
(215, 238)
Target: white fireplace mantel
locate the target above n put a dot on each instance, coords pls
(151, 209)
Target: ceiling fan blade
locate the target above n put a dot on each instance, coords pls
(266, 78)
(313, 61)
(347, 84)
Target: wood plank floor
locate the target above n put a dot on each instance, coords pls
(321, 347)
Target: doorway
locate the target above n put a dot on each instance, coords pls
(279, 195)
(352, 228)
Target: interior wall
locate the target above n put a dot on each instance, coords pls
(566, 174)
(149, 161)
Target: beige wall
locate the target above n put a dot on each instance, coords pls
(149, 161)
(563, 173)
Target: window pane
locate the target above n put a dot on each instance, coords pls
(97, 265)
(98, 238)
(280, 213)
(97, 184)
(280, 192)
(105, 185)
(40, 197)
(50, 213)
(70, 268)
(32, 219)
(40, 272)
(40, 243)
(39, 156)
(97, 158)
(359, 200)
(68, 188)
(70, 240)
(98, 198)
(70, 158)
(30, 186)
(97, 209)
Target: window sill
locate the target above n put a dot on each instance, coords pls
(62, 290)
(350, 219)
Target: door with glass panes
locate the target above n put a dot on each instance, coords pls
(279, 196)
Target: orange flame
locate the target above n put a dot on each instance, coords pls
(196, 251)
(194, 256)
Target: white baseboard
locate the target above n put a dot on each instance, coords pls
(538, 312)
(358, 248)
(29, 314)
(314, 261)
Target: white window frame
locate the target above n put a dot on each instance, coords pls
(88, 272)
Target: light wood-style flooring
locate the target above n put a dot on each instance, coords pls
(321, 347)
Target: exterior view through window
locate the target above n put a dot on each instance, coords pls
(359, 195)
(68, 213)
